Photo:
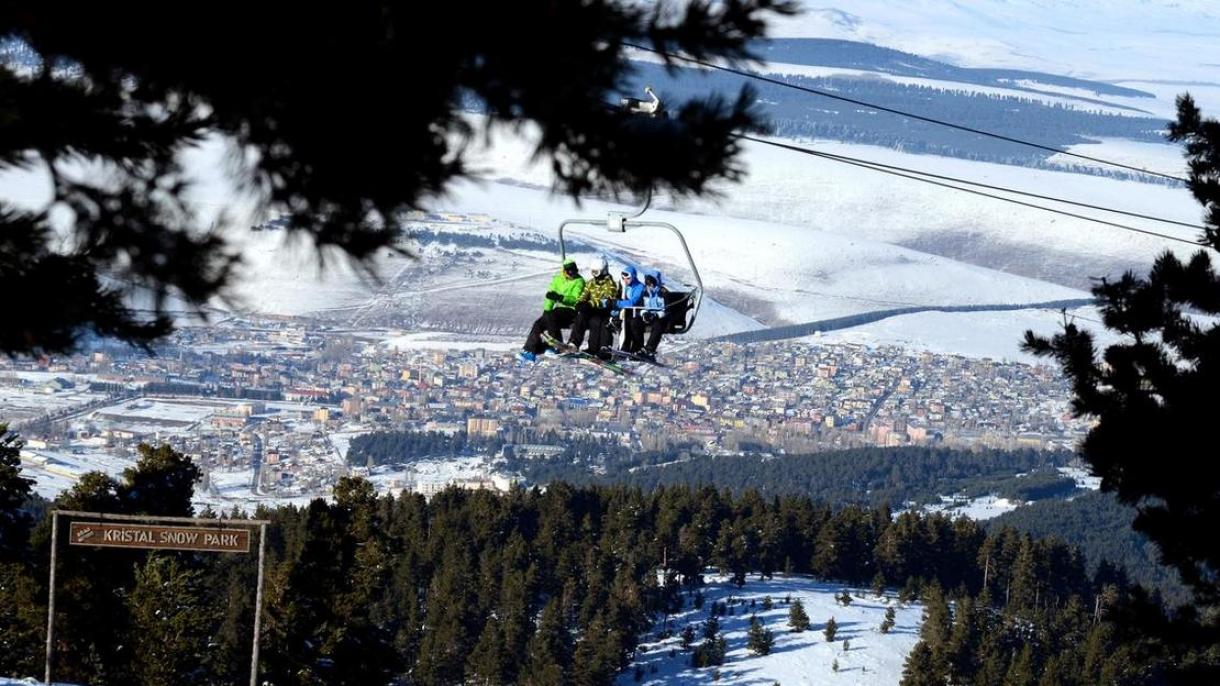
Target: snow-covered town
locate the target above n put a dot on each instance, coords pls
(267, 410)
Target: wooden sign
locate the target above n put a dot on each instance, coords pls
(201, 538)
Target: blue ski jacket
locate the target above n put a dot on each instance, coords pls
(631, 291)
(654, 298)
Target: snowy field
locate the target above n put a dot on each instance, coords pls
(25, 402)
(1083, 478)
(997, 335)
(249, 502)
(991, 505)
(800, 273)
(979, 509)
(874, 659)
(429, 474)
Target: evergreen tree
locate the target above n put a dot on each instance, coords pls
(598, 655)
(910, 591)
(710, 653)
(485, 666)
(798, 621)
(711, 627)
(161, 483)
(959, 651)
(937, 621)
(450, 618)
(688, 636)
(172, 621)
(920, 669)
(549, 651)
(878, 584)
(1021, 672)
(1054, 674)
(832, 627)
(14, 489)
(888, 623)
(759, 638)
(22, 617)
(1023, 590)
(1152, 390)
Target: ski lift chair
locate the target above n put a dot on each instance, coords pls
(681, 304)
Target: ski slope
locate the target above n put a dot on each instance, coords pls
(804, 659)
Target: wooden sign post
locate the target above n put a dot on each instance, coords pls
(167, 533)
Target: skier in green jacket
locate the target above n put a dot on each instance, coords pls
(558, 310)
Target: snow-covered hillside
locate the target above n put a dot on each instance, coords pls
(865, 656)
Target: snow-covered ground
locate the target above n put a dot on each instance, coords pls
(991, 505)
(873, 658)
(1161, 157)
(431, 475)
(979, 509)
(997, 335)
(1083, 478)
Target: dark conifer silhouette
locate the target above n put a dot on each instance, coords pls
(1154, 393)
(14, 489)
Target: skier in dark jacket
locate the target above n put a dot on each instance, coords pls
(558, 310)
(591, 312)
(650, 316)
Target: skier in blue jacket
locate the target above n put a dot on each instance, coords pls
(630, 292)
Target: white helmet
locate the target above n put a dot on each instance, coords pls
(601, 266)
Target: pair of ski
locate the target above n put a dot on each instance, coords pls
(570, 351)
